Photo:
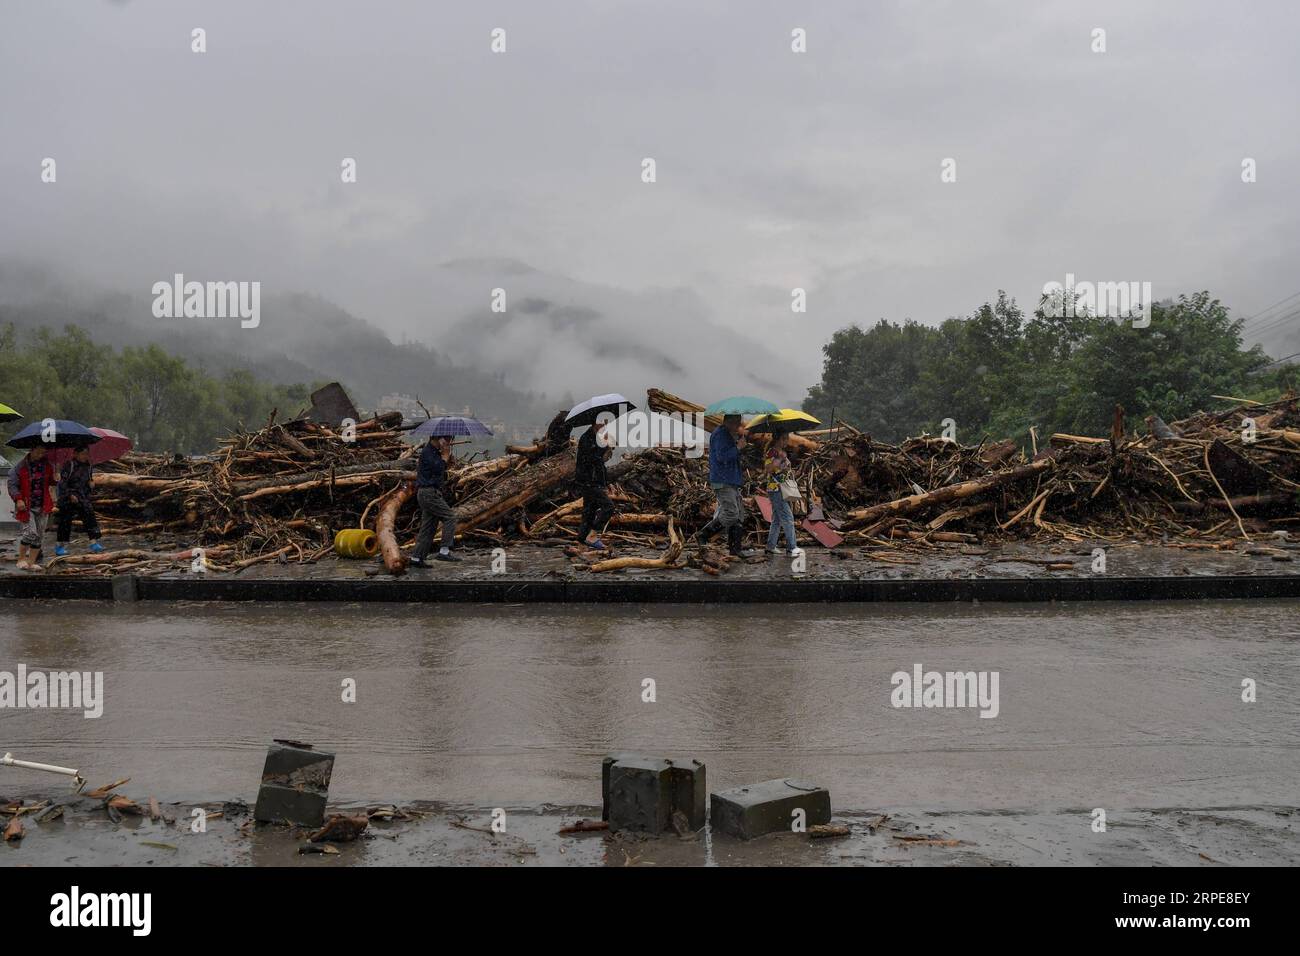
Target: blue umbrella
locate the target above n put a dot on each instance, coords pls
(742, 405)
(451, 426)
(66, 435)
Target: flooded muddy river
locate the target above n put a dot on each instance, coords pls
(1115, 705)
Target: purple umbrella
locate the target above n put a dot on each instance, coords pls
(450, 426)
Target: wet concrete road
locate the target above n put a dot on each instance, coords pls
(1116, 705)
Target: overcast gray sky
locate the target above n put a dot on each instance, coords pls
(775, 169)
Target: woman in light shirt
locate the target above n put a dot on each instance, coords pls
(776, 469)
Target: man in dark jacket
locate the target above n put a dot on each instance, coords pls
(430, 476)
(74, 501)
(725, 479)
(590, 480)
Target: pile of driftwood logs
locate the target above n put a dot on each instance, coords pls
(277, 493)
(280, 493)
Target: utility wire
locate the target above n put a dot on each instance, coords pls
(1252, 318)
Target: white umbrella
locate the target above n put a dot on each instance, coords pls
(586, 413)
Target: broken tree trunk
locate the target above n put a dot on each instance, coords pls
(963, 489)
(151, 486)
(386, 524)
(257, 487)
(669, 559)
(515, 491)
(667, 403)
(622, 520)
(1240, 503)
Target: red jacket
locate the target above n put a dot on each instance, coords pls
(25, 488)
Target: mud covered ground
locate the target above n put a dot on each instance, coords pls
(940, 560)
(451, 836)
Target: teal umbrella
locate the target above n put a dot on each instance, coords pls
(742, 405)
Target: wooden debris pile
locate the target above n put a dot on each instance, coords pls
(1236, 471)
(1212, 473)
(282, 492)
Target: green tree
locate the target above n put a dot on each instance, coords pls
(997, 372)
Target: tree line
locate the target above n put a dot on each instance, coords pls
(999, 372)
(162, 402)
(996, 372)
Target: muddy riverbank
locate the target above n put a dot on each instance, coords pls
(439, 835)
(939, 572)
(1135, 708)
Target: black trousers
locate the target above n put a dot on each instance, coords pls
(597, 509)
(434, 511)
(70, 511)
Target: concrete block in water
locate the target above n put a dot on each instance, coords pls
(605, 764)
(640, 794)
(295, 784)
(686, 776)
(768, 807)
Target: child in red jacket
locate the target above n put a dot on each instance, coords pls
(31, 486)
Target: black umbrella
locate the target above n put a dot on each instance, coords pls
(61, 434)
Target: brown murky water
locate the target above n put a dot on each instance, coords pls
(1099, 705)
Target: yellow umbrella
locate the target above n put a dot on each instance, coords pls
(7, 414)
(786, 420)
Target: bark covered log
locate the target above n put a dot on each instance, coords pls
(956, 492)
(386, 524)
(246, 489)
(667, 403)
(515, 491)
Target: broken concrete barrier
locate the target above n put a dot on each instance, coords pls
(605, 764)
(768, 807)
(690, 791)
(640, 794)
(295, 784)
(641, 798)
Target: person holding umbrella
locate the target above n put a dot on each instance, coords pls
(776, 472)
(430, 479)
(725, 445)
(590, 480)
(594, 449)
(32, 483)
(780, 486)
(725, 479)
(74, 501)
(31, 486)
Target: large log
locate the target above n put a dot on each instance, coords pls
(338, 481)
(386, 524)
(149, 486)
(1240, 503)
(963, 489)
(245, 489)
(652, 520)
(483, 469)
(515, 491)
(666, 403)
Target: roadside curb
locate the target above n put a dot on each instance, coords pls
(536, 591)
